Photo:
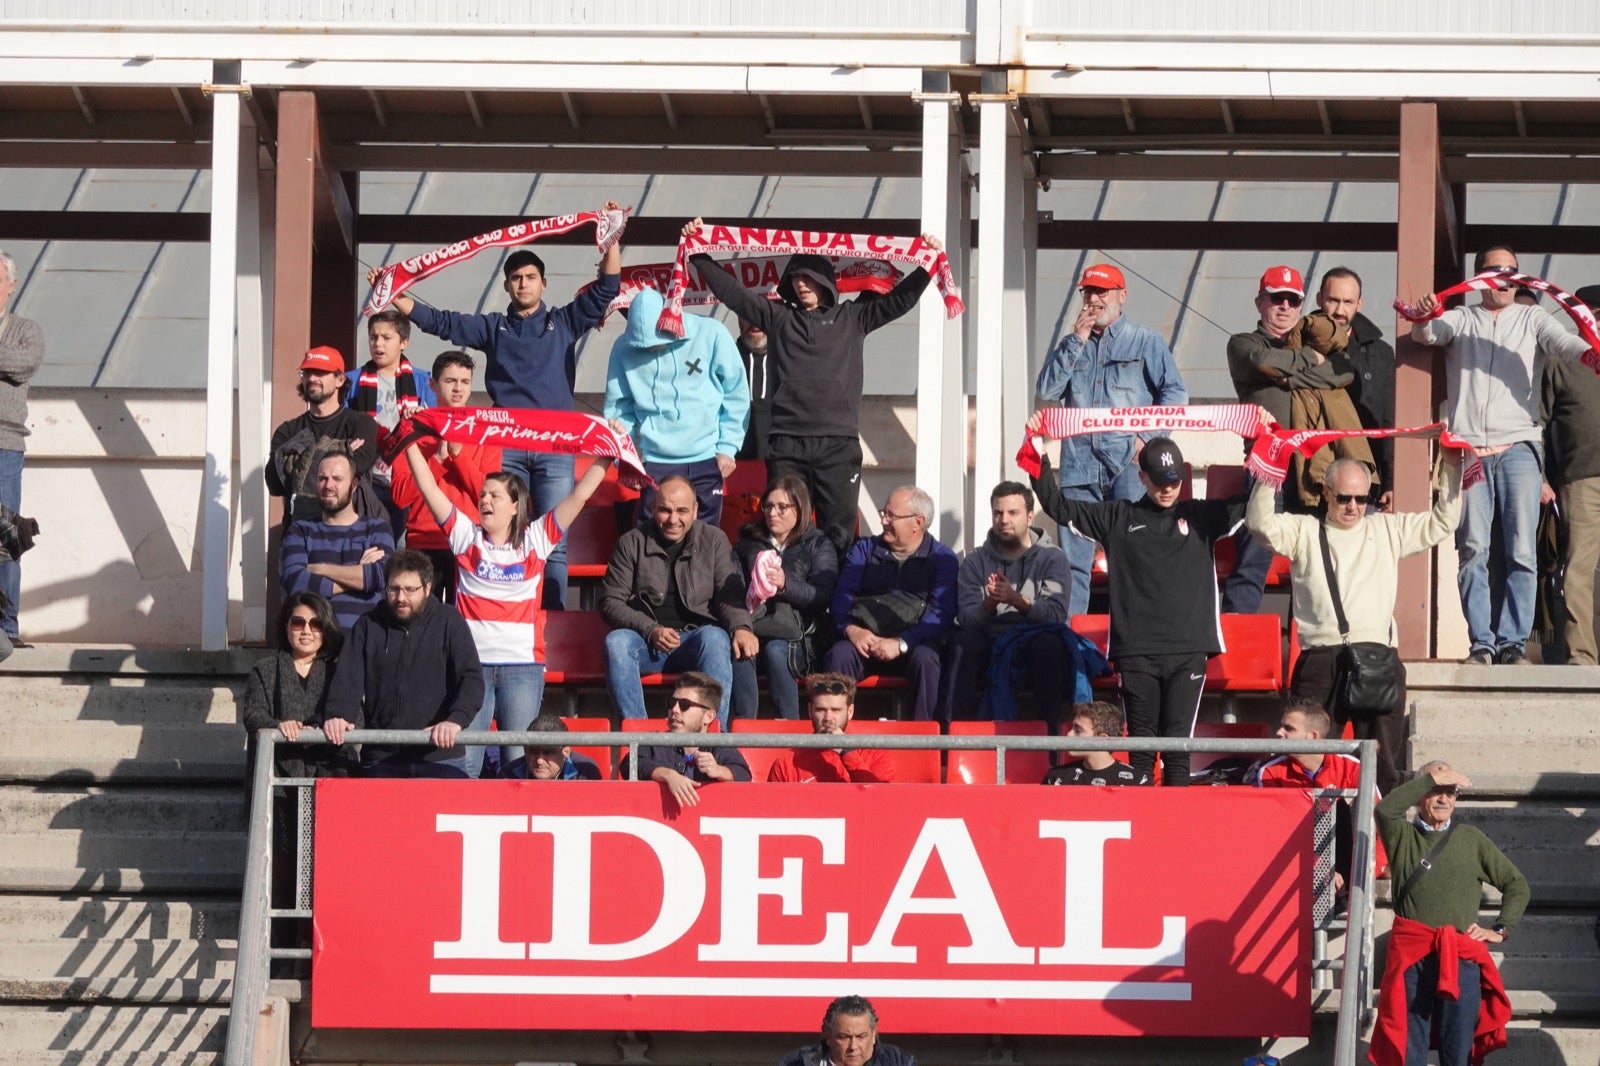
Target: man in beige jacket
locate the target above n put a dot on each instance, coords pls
(1366, 550)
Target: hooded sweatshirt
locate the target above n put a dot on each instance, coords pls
(816, 357)
(683, 400)
(1040, 573)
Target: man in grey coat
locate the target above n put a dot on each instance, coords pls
(1015, 585)
(21, 352)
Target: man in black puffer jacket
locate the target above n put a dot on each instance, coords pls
(814, 345)
(849, 1038)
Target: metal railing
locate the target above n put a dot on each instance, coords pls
(252, 969)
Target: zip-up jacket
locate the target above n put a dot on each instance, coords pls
(870, 569)
(1040, 573)
(709, 580)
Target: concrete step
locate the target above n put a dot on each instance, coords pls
(98, 752)
(1535, 1043)
(1556, 847)
(25, 918)
(84, 1033)
(138, 971)
(169, 810)
(40, 700)
(1515, 681)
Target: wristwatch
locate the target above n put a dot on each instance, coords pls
(1499, 927)
(905, 649)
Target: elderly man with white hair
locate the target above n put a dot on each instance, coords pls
(1364, 550)
(21, 352)
(895, 602)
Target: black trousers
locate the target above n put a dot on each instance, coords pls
(1161, 698)
(1316, 673)
(831, 469)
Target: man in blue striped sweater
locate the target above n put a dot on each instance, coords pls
(341, 554)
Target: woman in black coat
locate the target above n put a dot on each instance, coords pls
(803, 570)
(286, 689)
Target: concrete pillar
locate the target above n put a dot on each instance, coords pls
(254, 391)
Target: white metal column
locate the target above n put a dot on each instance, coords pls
(1022, 238)
(941, 399)
(1001, 303)
(216, 490)
(249, 539)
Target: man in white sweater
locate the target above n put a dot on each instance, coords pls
(1366, 550)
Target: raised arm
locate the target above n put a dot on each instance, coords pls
(402, 303)
(439, 504)
(566, 512)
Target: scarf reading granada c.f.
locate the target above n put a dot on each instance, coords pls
(709, 238)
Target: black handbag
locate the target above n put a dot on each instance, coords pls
(888, 614)
(778, 621)
(1369, 676)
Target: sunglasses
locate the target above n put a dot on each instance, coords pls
(678, 703)
(1283, 298)
(1351, 497)
(305, 623)
(829, 688)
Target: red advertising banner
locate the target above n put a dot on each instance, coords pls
(999, 909)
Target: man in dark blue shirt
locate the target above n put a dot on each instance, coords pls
(532, 363)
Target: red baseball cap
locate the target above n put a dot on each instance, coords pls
(1102, 276)
(323, 358)
(1283, 279)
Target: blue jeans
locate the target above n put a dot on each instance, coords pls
(705, 476)
(512, 693)
(1457, 1017)
(1080, 550)
(550, 479)
(707, 649)
(1497, 549)
(785, 690)
(1246, 584)
(11, 570)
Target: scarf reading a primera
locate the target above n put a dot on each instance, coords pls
(1269, 456)
(525, 429)
(396, 278)
(713, 238)
(1505, 278)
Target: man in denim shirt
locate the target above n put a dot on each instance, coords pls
(1106, 361)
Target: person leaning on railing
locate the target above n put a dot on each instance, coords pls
(287, 689)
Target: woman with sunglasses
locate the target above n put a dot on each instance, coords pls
(800, 574)
(286, 689)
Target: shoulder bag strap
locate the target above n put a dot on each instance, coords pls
(1333, 582)
(1424, 866)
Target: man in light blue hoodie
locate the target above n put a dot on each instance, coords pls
(684, 401)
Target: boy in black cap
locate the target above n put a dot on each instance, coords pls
(1164, 608)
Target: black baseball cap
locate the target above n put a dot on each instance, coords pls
(1162, 461)
(1589, 294)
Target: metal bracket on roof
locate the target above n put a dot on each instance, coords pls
(226, 77)
(212, 89)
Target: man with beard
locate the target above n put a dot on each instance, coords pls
(1106, 361)
(326, 427)
(833, 705)
(1370, 361)
(339, 554)
(409, 663)
(1011, 589)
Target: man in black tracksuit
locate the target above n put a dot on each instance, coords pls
(1164, 622)
(815, 348)
(409, 663)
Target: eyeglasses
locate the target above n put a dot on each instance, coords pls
(1351, 497)
(403, 590)
(1282, 298)
(774, 507)
(678, 703)
(829, 688)
(297, 622)
(890, 516)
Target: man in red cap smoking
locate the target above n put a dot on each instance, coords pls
(1106, 361)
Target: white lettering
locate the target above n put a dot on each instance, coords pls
(743, 887)
(1084, 899)
(480, 886)
(971, 898)
(683, 891)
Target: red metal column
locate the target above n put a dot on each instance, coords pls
(1429, 251)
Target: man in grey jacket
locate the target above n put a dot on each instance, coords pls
(1016, 581)
(21, 352)
(674, 599)
(1494, 356)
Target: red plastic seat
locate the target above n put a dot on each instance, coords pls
(1253, 661)
(591, 539)
(977, 767)
(574, 651)
(1222, 482)
(910, 767)
(1201, 760)
(1096, 629)
(761, 759)
(603, 756)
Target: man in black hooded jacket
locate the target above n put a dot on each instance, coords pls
(815, 346)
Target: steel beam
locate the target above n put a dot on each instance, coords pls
(222, 317)
(298, 123)
(516, 159)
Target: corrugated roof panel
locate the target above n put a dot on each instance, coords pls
(1348, 18)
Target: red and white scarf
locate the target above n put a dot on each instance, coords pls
(760, 274)
(405, 390)
(527, 429)
(710, 238)
(1269, 456)
(1505, 278)
(396, 278)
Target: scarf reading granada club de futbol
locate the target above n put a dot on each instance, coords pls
(759, 274)
(710, 238)
(396, 278)
(1504, 278)
(528, 429)
(1269, 456)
